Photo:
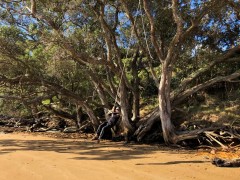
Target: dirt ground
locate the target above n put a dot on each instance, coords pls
(25, 156)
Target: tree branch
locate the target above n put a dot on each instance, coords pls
(196, 21)
(142, 47)
(152, 31)
(177, 100)
(234, 5)
(223, 58)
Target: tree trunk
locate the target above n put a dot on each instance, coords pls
(79, 115)
(124, 103)
(101, 93)
(165, 104)
(145, 127)
(163, 112)
(92, 116)
(135, 85)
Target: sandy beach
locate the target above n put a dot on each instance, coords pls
(28, 156)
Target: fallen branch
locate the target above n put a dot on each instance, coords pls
(210, 136)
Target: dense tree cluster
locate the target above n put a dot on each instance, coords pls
(77, 56)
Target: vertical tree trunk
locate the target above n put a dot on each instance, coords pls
(165, 105)
(136, 105)
(79, 115)
(135, 85)
(124, 103)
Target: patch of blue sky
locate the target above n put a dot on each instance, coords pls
(194, 4)
(126, 36)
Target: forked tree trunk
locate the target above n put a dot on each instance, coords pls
(101, 93)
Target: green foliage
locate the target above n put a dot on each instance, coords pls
(58, 44)
(12, 40)
(46, 102)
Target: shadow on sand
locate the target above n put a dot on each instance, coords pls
(90, 150)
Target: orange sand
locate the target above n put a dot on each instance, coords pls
(31, 157)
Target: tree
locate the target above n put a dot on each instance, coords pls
(104, 40)
(90, 46)
(188, 22)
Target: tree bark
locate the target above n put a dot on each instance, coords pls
(125, 108)
(165, 105)
(145, 127)
(136, 81)
(79, 115)
(101, 93)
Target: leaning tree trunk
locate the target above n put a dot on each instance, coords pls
(145, 127)
(101, 93)
(165, 105)
(91, 115)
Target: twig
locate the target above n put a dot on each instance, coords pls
(210, 136)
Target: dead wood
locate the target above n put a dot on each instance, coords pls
(225, 136)
(226, 163)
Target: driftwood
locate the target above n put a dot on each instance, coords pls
(224, 136)
(226, 163)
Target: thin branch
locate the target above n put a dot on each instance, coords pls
(135, 29)
(140, 41)
(153, 31)
(111, 39)
(196, 21)
(210, 135)
(179, 21)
